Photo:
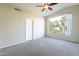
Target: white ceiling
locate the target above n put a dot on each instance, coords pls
(31, 7)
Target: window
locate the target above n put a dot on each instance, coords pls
(60, 24)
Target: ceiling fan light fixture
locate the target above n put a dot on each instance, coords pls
(47, 6)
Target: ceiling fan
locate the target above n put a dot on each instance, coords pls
(47, 6)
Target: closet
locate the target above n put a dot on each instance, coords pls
(34, 28)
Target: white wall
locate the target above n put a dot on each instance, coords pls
(12, 26)
(74, 10)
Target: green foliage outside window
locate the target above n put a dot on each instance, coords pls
(60, 26)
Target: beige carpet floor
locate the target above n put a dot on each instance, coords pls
(42, 47)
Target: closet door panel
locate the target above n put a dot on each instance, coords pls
(28, 29)
(38, 28)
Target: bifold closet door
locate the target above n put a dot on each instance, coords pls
(34, 29)
(38, 28)
(28, 29)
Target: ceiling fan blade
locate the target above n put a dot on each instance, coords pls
(53, 4)
(43, 9)
(50, 8)
(40, 6)
(45, 3)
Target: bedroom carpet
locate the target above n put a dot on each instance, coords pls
(42, 47)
